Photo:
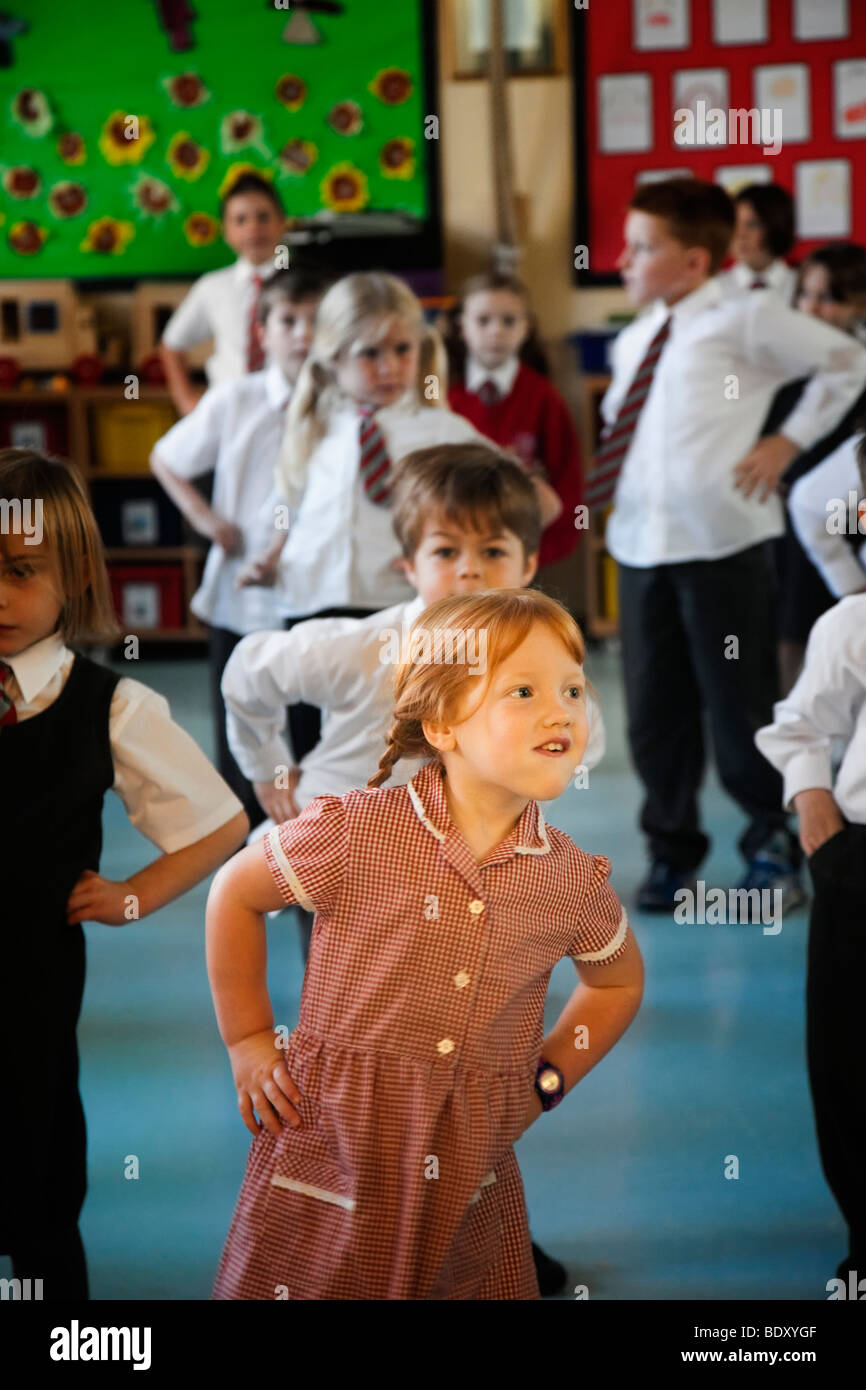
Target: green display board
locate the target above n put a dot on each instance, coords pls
(122, 124)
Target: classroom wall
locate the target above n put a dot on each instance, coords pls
(543, 158)
(541, 133)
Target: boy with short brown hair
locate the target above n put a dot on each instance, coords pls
(694, 505)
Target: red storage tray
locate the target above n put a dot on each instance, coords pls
(148, 596)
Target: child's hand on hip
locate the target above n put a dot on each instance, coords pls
(261, 572)
(263, 1083)
(227, 535)
(764, 465)
(279, 802)
(820, 818)
(97, 899)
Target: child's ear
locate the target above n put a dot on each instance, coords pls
(531, 569)
(439, 736)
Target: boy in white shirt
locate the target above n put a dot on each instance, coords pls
(222, 304)
(235, 430)
(826, 709)
(694, 506)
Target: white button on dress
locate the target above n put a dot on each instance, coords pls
(461, 979)
(476, 906)
(445, 1045)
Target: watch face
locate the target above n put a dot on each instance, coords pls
(549, 1081)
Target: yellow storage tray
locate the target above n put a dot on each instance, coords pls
(127, 432)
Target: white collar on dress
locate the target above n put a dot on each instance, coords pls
(427, 795)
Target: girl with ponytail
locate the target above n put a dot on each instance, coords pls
(441, 906)
(372, 389)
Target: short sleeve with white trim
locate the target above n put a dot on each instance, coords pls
(307, 855)
(600, 934)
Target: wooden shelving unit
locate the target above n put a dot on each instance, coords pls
(79, 430)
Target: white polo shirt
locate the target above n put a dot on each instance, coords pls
(170, 791)
(235, 430)
(218, 306)
(715, 380)
(341, 546)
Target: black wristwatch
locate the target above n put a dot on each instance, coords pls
(550, 1084)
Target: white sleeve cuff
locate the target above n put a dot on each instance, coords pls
(807, 769)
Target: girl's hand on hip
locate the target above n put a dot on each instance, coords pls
(263, 1083)
(97, 899)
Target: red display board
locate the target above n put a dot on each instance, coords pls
(734, 57)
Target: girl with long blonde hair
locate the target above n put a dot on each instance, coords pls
(372, 390)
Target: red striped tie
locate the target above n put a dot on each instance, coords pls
(255, 351)
(375, 463)
(8, 713)
(614, 446)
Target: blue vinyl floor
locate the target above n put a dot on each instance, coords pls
(625, 1182)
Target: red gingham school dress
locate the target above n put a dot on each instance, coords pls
(420, 1029)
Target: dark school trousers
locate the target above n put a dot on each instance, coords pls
(676, 623)
(305, 721)
(222, 644)
(834, 1008)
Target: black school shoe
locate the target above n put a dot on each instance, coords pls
(658, 891)
(550, 1273)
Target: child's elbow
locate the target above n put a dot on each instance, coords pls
(236, 831)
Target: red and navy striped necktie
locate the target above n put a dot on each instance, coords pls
(8, 713)
(375, 463)
(255, 351)
(614, 446)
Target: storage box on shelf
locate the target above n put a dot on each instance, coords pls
(153, 568)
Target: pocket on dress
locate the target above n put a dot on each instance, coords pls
(305, 1164)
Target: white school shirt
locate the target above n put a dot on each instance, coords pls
(675, 498)
(827, 707)
(333, 663)
(778, 277)
(341, 545)
(832, 481)
(218, 306)
(170, 791)
(503, 376)
(235, 430)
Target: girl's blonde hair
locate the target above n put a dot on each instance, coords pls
(432, 691)
(358, 309)
(71, 534)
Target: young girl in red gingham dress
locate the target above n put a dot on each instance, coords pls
(383, 1162)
